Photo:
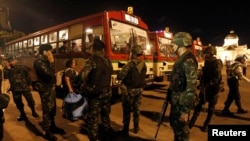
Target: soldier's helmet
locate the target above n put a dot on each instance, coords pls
(210, 49)
(182, 39)
(239, 57)
(137, 49)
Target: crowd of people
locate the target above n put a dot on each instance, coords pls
(94, 80)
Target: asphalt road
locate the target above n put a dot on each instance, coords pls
(152, 101)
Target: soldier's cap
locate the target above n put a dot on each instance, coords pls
(10, 58)
(182, 39)
(44, 47)
(98, 44)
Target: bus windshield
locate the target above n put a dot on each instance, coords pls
(165, 47)
(124, 36)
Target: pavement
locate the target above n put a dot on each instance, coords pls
(151, 105)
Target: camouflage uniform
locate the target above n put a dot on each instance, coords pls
(20, 81)
(234, 74)
(210, 86)
(96, 74)
(131, 93)
(45, 72)
(1, 123)
(46, 76)
(183, 87)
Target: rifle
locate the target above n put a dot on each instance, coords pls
(163, 111)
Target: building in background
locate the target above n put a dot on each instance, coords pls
(231, 48)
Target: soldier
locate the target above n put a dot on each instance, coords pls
(182, 87)
(20, 85)
(210, 86)
(45, 71)
(1, 124)
(133, 77)
(234, 75)
(96, 77)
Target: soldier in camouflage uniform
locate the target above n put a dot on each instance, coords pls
(210, 86)
(20, 84)
(182, 87)
(133, 77)
(234, 75)
(96, 77)
(45, 71)
(1, 124)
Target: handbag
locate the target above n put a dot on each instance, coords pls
(4, 100)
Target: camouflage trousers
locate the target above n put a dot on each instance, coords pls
(180, 128)
(48, 101)
(1, 123)
(17, 97)
(131, 103)
(96, 107)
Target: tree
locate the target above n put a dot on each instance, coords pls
(6, 36)
(4, 18)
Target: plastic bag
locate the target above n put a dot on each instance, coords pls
(73, 106)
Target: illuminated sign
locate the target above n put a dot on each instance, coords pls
(131, 19)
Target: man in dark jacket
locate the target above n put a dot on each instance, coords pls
(45, 71)
(133, 77)
(182, 89)
(234, 75)
(96, 76)
(210, 86)
(20, 85)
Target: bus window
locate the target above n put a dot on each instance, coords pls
(90, 35)
(165, 47)
(124, 36)
(76, 45)
(53, 37)
(63, 34)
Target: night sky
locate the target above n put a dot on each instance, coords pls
(207, 20)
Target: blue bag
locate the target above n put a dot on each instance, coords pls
(73, 106)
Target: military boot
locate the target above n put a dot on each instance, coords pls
(49, 136)
(192, 121)
(124, 131)
(56, 130)
(204, 128)
(227, 112)
(22, 116)
(242, 111)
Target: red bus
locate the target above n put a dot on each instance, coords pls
(197, 49)
(163, 57)
(118, 29)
